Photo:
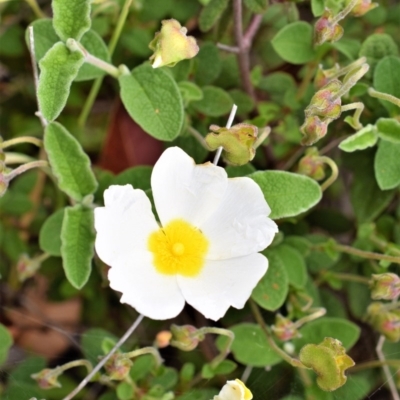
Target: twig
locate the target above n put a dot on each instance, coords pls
(106, 358)
(252, 30)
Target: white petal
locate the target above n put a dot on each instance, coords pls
(222, 284)
(184, 190)
(240, 225)
(124, 223)
(152, 294)
(231, 391)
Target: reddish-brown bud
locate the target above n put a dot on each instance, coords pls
(118, 367)
(284, 329)
(314, 129)
(311, 165)
(324, 104)
(326, 29)
(361, 7)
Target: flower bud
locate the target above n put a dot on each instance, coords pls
(314, 129)
(47, 378)
(385, 286)
(27, 267)
(323, 104)
(185, 337)
(326, 29)
(361, 7)
(323, 76)
(234, 390)
(171, 45)
(284, 329)
(118, 367)
(386, 322)
(311, 165)
(329, 361)
(163, 339)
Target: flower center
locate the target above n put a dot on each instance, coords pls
(178, 248)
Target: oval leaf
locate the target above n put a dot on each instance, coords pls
(271, 291)
(59, 68)
(153, 100)
(287, 194)
(387, 165)
(215, 102)
(250, 346)
(316, 331)
(77, 244)
(71, 18)
(364, 138)
(50, 234)
(6, 342)
(294, 43)
(69, 162)
(44, 35)
(211, 13)
(389, 129)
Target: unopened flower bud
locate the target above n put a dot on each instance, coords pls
(314, 129)
(171, 45)
(327, 29)
(324, 104)
(284, 329)
(27, 267)
(46, 379)
(311, 165)
(361, 7)
(163, 339)
(385, 286)
(185, 337)
(387, 323)
(329, 361)
(118, 367)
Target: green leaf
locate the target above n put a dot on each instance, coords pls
(69, 162)
(71, 18)
(294, 43)
(389, 129)
(208, 64)
(364, 138)
(95, 45)
(190, 91)
(278, 85)
(256, 6)
(387, 80)
(6, 342)
(44, 36)
(49, 236)
(288, 194)
(250, 346)
(215, 102)
(223, 368)
(317, 7)
(138, 177)
(59, 68)
(294, 265)
(316, 331)
(244, 102)
(348, 47)
(210, 14)
(92, 341)
(387, 165)
(153, 100)
(271, 291)
(77, 244)
(124, 391)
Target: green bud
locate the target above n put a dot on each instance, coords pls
(284, 329)
(323, 104)
(171, 45)
(118, 367)
(314, 129)
(185, 337)
(385, 286)
(326, 29)
(27, 267)
(386, 322)
(47, 379)
(329, 361)
(238, 142)
(311, 165)
(361, 7)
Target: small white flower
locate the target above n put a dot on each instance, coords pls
(234, 390)
(206, 250)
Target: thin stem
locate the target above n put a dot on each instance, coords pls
(36, 9)
(308, 318)
(73, 364)
(252, 30)
(230, 49)
(374, 364)
(257, 315)
(366, 254)
(384, 245)
(106, 358)
(384, 96)
(342, 14)
(228, 125)
(22, 139)
(386, 370)
(348, 68)
(359, 107)
(349, 277)
(350, 81)
(111, 47)
(243, 55)
(17, 158)
(145, 350)
(25, 167)
(334, 172)
(43, 121)
(310, 70)
(197, 135)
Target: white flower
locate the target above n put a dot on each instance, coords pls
(206, 250)
(234, 390)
